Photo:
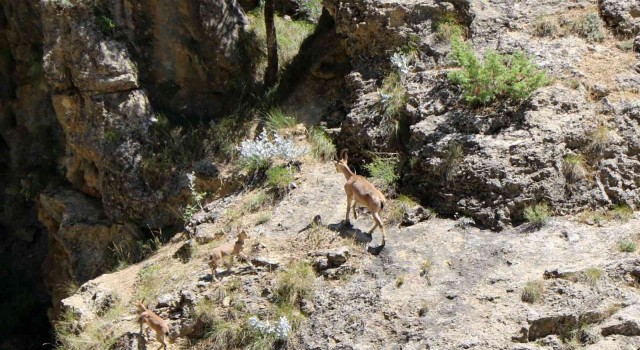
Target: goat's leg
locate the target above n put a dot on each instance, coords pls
(162, 340)
(214, 267)
(244, 257)
(378, 220)
(355, 215)
(349, 200)
(230, 262)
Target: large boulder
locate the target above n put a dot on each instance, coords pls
(81, 241)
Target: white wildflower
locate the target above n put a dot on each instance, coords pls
(281, 330)
(278, 148)
(401, 62)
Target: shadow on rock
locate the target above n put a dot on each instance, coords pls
(348, 231)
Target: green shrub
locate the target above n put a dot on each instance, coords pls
(228, 131)
(537, 214)
(500, 76)
(448, 27)
(626, 45)
(622, 212)
(106, 25)
(263, 218)
(253, 164)
(574, 167)
(276, 120)
(383, 171)
(295, 283)
(627, 246)
(589, 27)
(451, 159)
(532, 292)
(234, 333)
(322, 145)
(397, 208)
(393, 94)
(147, 282)
(313, 8)
(280, 177)
(445, 31)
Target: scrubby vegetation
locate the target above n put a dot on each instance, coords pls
(396, 209)
(537, 214)
(500, 76)
(276, 120)
(589, 27)
(383, 172)
(96, 334)
(322, 145)
(295, 283)
(599, 139)
(280, 177)
(575, 167)
(532, 292)
(627, 246)
(545, 27)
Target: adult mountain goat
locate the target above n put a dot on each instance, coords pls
(358, 188)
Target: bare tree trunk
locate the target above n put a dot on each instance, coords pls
(271, 75)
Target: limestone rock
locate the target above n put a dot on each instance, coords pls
(270, 264)
(622, 15)
(205, 233)
(624, 322)
(541, 326)
(81, 239)
(338, 256)
(415, 215)
(130, 341)
(185, 252)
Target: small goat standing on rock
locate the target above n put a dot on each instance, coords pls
(228, 249)
(358, 188)
(160, 326)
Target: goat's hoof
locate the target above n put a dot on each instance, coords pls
(375, 250)
(348, 223)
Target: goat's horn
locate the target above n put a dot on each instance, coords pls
(343, 154)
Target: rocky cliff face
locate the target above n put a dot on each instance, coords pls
(490, 163)
(86, 85)
(82, 83)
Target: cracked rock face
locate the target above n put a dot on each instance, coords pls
(81, 241)
(491, 163)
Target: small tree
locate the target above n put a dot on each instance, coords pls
(271, 75)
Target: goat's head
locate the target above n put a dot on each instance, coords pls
(243, 235)
(342, 162)
(141, 306)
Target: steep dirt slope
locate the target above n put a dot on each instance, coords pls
(439, 284)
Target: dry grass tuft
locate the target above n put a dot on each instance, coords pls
(532, 292)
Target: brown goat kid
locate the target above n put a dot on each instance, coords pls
(358, 188)
(230, 250)
(160, 326)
